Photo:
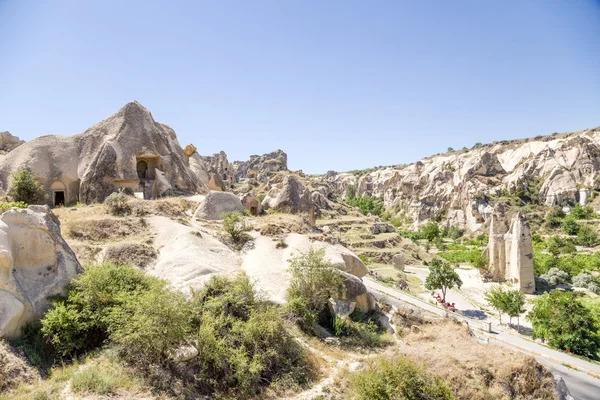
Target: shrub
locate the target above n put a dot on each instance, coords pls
(117, 203)
(564, 321)
(430, 231)
(398, 378)
(234, 224)
(570, 226)
(139, 313)
(442, 276)
(16, 204)
(555, 276)
(586, 281)
(580, 212)
(367, 204)
(313, 282)
(350, 192)
(587, 236)
(453, 232)
(242, 341)
(25, 189)
(557, 245)
(94, 380)
(554, 217)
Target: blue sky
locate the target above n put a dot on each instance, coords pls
(336, 84)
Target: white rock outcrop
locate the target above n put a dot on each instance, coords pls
(510, 250)
(215, 204)
(35, 263)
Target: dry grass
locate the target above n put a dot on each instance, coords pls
(474, 370)
(138, 254)
(172, 207)
(14, 370)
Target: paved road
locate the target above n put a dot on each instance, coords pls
(581, 385)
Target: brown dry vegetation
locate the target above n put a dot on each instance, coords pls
(13, 369)
(138, 254)
(474, 370)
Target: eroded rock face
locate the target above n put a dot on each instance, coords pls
(122, 151)
(251, 203)
(35, 263)
(260, 168)
(289, 195)
(215, 204)
(457, 184)
(9, 142)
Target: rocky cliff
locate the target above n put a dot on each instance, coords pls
(456, 186)
(9, 142)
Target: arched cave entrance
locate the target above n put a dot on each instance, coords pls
(142, 169)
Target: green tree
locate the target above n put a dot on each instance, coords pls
(570, 226)
(496, 298)
(515, 304)
(554, 217)
(581, 212)
(565, 323)
(430, 231)
(25, 188)
(450, 149)
(442, 276)
(350, 192)
(587, 236)
(314, 280)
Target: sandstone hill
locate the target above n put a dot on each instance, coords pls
(9, 142)
(456, 186)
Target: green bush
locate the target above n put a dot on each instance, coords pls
(235, 225)
(566, 323)
(554, 217)
(587, 236)
(367, 204)
(16, 204)
(471, 256)
(570, 226)
(107, 302)
(557, 245)
(430, 231)
(117, 203)
(24, 188)
(586, 281)
(313, 282)
(398, 378)
(242, 341)
(572, 264)
(580, 212)
(94, 380)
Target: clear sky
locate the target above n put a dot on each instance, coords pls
(337, 84)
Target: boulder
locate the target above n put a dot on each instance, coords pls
(189, 150)
(345, 260)
(215, 204)
(341, 308)
(289, 195)
(398, 261)
(35, 264)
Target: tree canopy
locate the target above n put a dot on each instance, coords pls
(442, 276)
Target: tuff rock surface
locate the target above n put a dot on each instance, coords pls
(35, 263)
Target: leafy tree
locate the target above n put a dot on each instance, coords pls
(430, 231)
(570, 226)
(557, 245)
(234, 224)
(496, 298)
(450, 149)
(515, 304)
(478, 144)
(25, 188)
(565, 323)
(367, 204)
(442, 276)
(314, 280)
(587, 236)
(350, 192)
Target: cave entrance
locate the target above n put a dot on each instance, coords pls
(142, 169)
(59, 198)
(254, 210)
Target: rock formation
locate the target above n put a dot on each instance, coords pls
(289, 195)
(35, 263)
(216, 203)
(398, 261)
(252, 204)
(510, 251)
(457, 184)
(220, 171)
(126, 150)
(9, 142)
(260, 168)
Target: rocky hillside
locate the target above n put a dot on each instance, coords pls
(457, 186)
(9, 142)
